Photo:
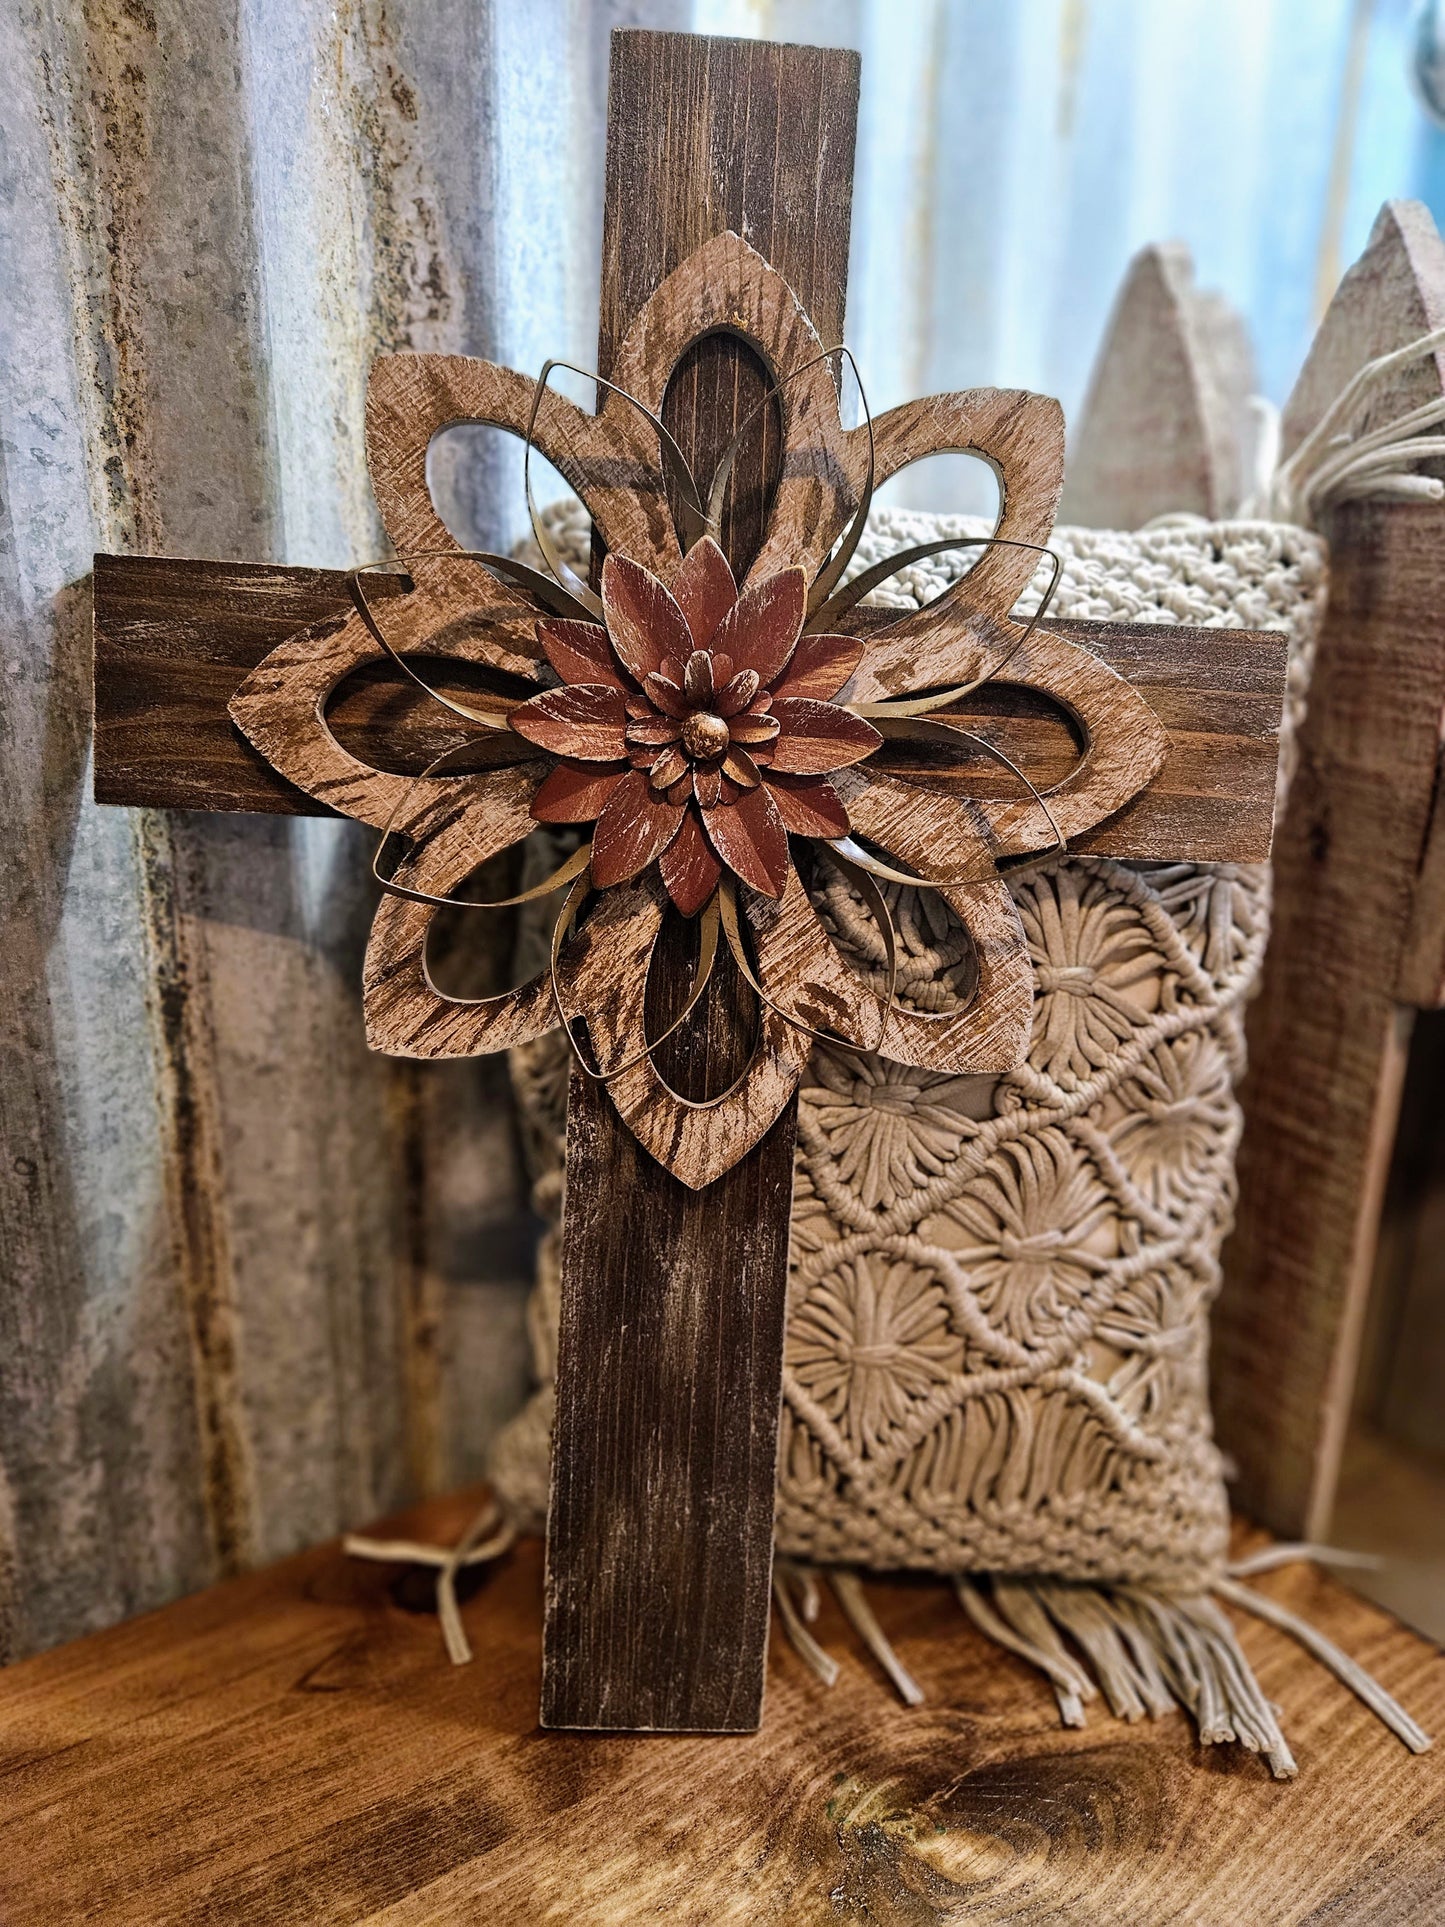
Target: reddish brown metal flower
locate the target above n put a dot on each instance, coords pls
(696, 729)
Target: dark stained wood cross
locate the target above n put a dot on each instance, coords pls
(670, 1357)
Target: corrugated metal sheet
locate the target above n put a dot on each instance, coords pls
(256, 1284)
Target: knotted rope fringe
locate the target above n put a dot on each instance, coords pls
(1146, 1651)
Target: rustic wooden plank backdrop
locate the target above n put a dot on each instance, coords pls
(1329, 1032)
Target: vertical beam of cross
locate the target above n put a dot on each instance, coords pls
(659, 1548)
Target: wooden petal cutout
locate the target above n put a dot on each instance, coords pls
(583, 720)
(406, 1016)
(280, 709)
(761, 629)
(928, 833)
(457, 607)
(817, 737)
(704, 589)
(645, 624)
(800, 969)
(634, 829)
(1021, 436)
(749, 837)
(821, 665)
(1125, 747)
(727, 285)
(576, 792)
(609, 459)
(690, 870)
(580, 652)
(610, 985)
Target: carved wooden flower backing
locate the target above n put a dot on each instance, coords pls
(700, 724)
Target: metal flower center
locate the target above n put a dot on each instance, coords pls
(705, 735)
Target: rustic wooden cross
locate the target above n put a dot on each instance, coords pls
(670, 1354)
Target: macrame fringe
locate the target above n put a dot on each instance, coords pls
(1146, 1652)
(1338, 461)
(490, 1534)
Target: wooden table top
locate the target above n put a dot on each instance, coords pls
(293, 1747)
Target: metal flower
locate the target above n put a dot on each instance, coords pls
(698, 723)
(695, 728)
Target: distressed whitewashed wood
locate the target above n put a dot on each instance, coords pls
(1165, 424)
(1327, 1035)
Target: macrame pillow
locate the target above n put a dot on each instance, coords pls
(998, 1316)
(997, 1337)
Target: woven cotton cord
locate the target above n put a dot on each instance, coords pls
(1335, 463)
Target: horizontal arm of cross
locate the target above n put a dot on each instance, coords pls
(174, 639)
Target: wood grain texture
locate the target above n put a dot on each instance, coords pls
(293, 1747)
(1392, 295)
(609, 458)
(665, 1444)
(1163, 424)
(990, 1032)
(173, 642)
(1021, 436)
(1422, 962)
(1405, 296)
(1326, 1037)
(175, 639)
(669, 1372)
(676, 350)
